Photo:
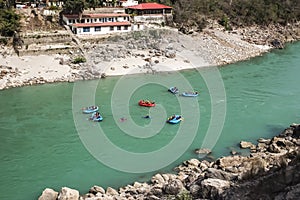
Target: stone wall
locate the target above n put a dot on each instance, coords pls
(35, 43)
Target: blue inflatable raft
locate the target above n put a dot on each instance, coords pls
(96, 117)
(90, 109)
(175, 119)
(173, 90)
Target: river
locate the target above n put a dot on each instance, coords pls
(43, 132)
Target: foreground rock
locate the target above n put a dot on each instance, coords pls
(48, 194)
(272, 171)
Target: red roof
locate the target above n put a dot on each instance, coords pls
(149, 6)
(101, 24)
(100, 15)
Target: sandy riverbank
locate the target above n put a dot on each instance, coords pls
(151, 51)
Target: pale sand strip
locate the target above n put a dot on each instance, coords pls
(207, 49)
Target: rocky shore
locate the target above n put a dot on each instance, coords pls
(271, 171)
(149, 51)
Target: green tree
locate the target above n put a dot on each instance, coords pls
(74, 6)
(9, 21)
(93, 3)
(10, 3)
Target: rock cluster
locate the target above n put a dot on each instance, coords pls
(145, 47)
(273, 162)
(215, 46)
(11, 78)
(275, 35)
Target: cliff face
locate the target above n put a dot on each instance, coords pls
(278, 184)
(282, 181)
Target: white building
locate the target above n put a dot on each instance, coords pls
(129, 3)
(103, 23)
(150, 12)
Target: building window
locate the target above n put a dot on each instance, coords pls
(73, 21)
(87, 20)
(70, 21)
(109, 19)
(125, 18)
(86, 29)
(118, 28)
(111, 28)
(97, 28)
(82, 21)
(125, 27)
(95, 20)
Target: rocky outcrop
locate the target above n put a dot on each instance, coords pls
(68, 194)
(48, 194)
(272, 171)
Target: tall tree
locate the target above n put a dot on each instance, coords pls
(9, 22)
(74, 6)
(10, 3)
(93, 3)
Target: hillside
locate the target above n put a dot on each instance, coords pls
(235, 12)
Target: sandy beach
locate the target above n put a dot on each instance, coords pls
(173, 51)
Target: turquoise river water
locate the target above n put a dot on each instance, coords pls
(42, 127)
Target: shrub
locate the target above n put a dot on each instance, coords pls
(3, 41)
(78, 60)
(185, 195)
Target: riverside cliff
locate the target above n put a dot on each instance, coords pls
(271, 171)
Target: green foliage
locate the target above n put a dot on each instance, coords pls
(53, 8)
(93, 3)
(9, 22)
(3, 41)
(240, 12)
(74, 6)
(2, 4)
(7, 4)
(185, 195)
(78, 60)
(225, 22)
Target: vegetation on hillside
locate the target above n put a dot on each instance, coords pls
(74, 6)
(236, 12)
(9, 20)
(186, 12)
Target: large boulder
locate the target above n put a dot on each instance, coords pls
(296, 132)
(194, 162)
(158, 179)
(252, 167)
(245, 145)
(48, 194)
(202, 151)
(97, 189)
(68, 194)
(219, 174)
(213, 188)
(174, 187)
(277, 44)
(111, 191)
(230, 161)
(195, 190)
